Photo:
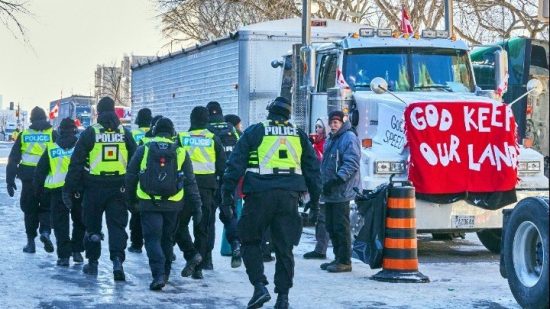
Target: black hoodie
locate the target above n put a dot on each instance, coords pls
(77, 175)
(65, 141)
(23, 172)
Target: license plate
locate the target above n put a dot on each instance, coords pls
(463, 221)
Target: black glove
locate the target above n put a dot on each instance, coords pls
(331, 184)
(11, 189)
(67, 198)
(197, 215)
(228, 201)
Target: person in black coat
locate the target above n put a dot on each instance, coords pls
(159, 217)
(22, 161)
(97, 169)
(50, 177)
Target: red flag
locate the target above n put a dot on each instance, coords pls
(54, 111)
(406, 26)
(341, 80)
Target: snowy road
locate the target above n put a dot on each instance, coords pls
(463, 275)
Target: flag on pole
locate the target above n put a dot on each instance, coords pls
(54, 111)
(340, 79)
(503, 86)
(406, 26)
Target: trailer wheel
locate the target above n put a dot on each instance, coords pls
(491, 238)
(526, 252)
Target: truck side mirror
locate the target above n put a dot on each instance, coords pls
(534, 86)
(379, 85)
(501, 69)
(307, 55)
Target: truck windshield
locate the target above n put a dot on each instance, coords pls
(409, 69)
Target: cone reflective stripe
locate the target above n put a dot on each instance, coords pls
(400, 261)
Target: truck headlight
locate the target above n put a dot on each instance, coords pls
(389, 167)
(529, 166)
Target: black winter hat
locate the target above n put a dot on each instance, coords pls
(336, 115)
(280, 106)
(67, 126)
(106, 104)
(154, 121)
(144, 117)
(38, 113)
(232, 119)
(214, 108)
(199, 116)
(164, 125)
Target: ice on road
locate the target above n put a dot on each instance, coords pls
(463, 275)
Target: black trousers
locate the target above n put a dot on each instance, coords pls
(61, 217)
(36, 211)
(201, 232)
(278, 210)
(338, 227)
(136, 235)
(158, 232)
(111, 202)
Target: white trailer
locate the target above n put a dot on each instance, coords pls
(234, 70)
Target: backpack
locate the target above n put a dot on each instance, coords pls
(227, 134)
(161, 176)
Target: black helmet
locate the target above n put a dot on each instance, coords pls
(280, 106)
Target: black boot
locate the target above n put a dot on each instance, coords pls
(197, 274)
(90, 268)
(260, 296)
(30, 247)
(48, 245)
(282, 301)
(134, 248)
(64, 262)
(207, 262)
(77, 257)
(236, 260)
(190, 265)
(118, 271)
(157, 284)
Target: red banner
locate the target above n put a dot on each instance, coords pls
(461, 147)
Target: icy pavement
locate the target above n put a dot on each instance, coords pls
(463, 275)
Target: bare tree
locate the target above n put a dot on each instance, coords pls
(108, 82)
(10, 13)
(476, 21)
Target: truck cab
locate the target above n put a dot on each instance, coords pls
(431, 67)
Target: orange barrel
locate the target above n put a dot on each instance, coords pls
(400, 261)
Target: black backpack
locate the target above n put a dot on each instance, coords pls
(161, 176)
(227, 134)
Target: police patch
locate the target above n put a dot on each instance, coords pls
(196, 141)
(110, 153)
(36, 138)
(59, 152)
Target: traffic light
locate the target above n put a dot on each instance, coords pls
(11, 106)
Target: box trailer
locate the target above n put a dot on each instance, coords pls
(234, 70)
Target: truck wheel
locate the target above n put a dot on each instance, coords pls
(526, 252)
(491, 238)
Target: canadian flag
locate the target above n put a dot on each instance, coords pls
(503, 86)
(406, 26)
(341, 80)
(54, 111)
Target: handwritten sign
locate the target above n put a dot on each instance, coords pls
(461, 147)
(391, 130)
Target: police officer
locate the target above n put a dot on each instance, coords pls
(50, 175)
(159, 214)
(278, 163)
(99, 163)
(208, 157)
(143, 121)
(22, 161)
(228, 136)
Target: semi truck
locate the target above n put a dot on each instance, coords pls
(233, 70)
(430, 67)
(78, 108)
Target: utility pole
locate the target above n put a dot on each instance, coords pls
(449, 16)
(306, 22)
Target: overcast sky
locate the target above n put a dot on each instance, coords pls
(67, 39)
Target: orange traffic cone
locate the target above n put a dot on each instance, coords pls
(400, 261)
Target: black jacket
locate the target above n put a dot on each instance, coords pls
(43, 167)
(78, 176)
(23, 172)
(191, 191)
(238, 162)
(211, 181)
(225, 131)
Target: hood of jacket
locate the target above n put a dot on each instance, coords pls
(40, 125)
(66, 140)
(109, 120)
(216, 118)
